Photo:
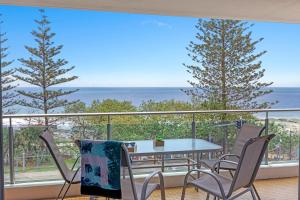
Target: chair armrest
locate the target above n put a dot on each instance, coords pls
(148, 179)
(218, 163)
(203, 163)
(76, 161)
(223, 157)
(208, 173)
(77, 142)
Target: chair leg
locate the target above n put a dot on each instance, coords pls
(162, 193)
(253, 194)
(207, 196)
(70, 184)
(255, 190)
(183, 191)
(61, 189)
(65, 193)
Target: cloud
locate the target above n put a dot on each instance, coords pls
(156, 23)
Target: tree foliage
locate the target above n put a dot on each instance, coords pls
(96, 127)
(226, 69)
(27, 140)
(45, 71)
(167, 105)
(145, 127)
(7, 79)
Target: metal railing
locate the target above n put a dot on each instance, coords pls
(110, 115)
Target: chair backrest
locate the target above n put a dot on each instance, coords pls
(249, 162)
(126, 162)
(246, 132)
(47, 137)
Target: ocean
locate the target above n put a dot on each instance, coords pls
(287, 97)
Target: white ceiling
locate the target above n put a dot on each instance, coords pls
(261, 10)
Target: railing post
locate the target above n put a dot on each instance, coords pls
(193, 127)
(267, 133)
(108, 127)
(290, 144)
(225, 142)
(11, 152)
(23, 161)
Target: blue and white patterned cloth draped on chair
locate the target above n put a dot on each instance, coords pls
(100, 168)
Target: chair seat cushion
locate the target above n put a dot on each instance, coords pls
(209, 184)
(127, 193)
(226, 166)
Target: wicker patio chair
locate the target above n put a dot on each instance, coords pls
(223, 187)
(70, 176)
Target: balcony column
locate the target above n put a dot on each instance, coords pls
(11, 152)
(267, 132)
(1, 136)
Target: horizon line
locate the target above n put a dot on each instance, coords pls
(138, 87)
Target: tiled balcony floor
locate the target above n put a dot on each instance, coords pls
(272, 189)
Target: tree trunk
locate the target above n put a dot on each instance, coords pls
(223, 72)
(45, 94)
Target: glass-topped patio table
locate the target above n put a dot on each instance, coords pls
(188, 146)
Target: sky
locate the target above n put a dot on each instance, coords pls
(133, 50)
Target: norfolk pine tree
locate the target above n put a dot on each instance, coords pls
(44, 70)
(7, 83)
(7, 79)
(226, 70)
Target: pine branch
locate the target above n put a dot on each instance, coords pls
(7, 81)
(32, 104)
(59, 93)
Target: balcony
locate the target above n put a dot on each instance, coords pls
(30, 168)
(274, 189)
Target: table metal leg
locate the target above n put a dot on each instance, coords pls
(193, 156)
(188, 159)
(201, 158)
(162, 163)
(198, 165)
